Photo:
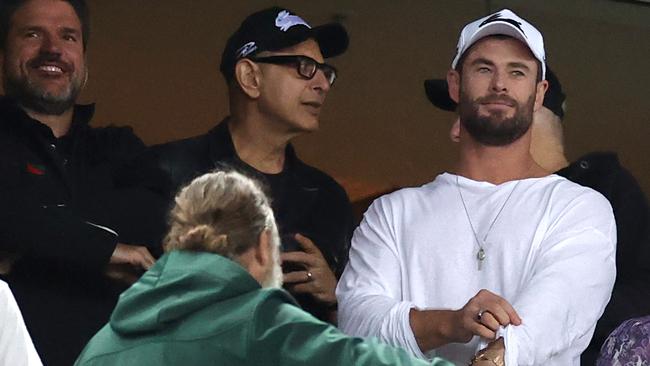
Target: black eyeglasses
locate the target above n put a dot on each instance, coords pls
(306, 66)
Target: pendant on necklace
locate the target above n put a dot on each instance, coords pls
(480, 256)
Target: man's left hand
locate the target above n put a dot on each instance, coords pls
(317, 279)
(492, 355)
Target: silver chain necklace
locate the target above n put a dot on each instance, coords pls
(481, 255)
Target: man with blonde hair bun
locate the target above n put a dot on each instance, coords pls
(215, 297)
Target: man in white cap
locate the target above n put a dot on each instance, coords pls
(603, 172)
(500, 260)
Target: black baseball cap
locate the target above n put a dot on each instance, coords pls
(437, 91)
(554, 97)
(276, 28)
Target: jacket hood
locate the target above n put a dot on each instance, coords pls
(180, 283)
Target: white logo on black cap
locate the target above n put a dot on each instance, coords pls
(285, 20)
(246, 49)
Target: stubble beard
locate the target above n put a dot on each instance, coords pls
(31, 95)
(495, 129)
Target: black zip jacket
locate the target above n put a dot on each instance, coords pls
(65, 203)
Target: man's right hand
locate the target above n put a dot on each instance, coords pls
(482, 316)
(435, 328)
(135, 255)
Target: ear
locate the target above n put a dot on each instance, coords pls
(85, 81)
(263, 251)
(453, 81)
(248, 76)
(454, 132)
(539, 96)
(256, 259)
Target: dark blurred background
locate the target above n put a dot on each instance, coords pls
(154, 66)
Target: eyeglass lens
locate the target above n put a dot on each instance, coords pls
(308, 67)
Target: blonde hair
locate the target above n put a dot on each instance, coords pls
(219, 212)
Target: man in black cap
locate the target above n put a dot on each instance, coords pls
(277, 82)
(602, 172)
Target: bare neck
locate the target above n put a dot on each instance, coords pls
(59, 124)
(547, 141)
(498, 164)
(258, 144)
(552, 159)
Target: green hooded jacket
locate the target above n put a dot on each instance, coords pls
(203, 309)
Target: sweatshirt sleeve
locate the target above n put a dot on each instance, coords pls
(569, 287)
(369, 291)
(16, 347)
(298, 338)
(54, 234)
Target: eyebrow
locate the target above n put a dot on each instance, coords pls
(518, 65)
(512, 65)
(70, 30)
(30, 28)
(67, 30)
(482, 61)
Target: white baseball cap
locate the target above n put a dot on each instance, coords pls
(507, 23)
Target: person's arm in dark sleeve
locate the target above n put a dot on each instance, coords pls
(337, 212)
(348, 226)
(53, 234)
(139, 201)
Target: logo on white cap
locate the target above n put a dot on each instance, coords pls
(285, 20)
(498, 18)
(507, 23)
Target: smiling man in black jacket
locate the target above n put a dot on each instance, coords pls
(71, 211)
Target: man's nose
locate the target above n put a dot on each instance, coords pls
(50, 45)
(499, 82)
(321, 83)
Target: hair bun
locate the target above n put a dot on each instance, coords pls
(201, 236)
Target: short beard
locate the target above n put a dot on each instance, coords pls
(495, 130)
(31, 96)
(34, 98)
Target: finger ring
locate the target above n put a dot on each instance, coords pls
(480, 313)
(309, 276)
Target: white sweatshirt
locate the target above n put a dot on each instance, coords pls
(550, 253)
(16, 347)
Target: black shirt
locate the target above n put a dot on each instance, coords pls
(304, 199)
